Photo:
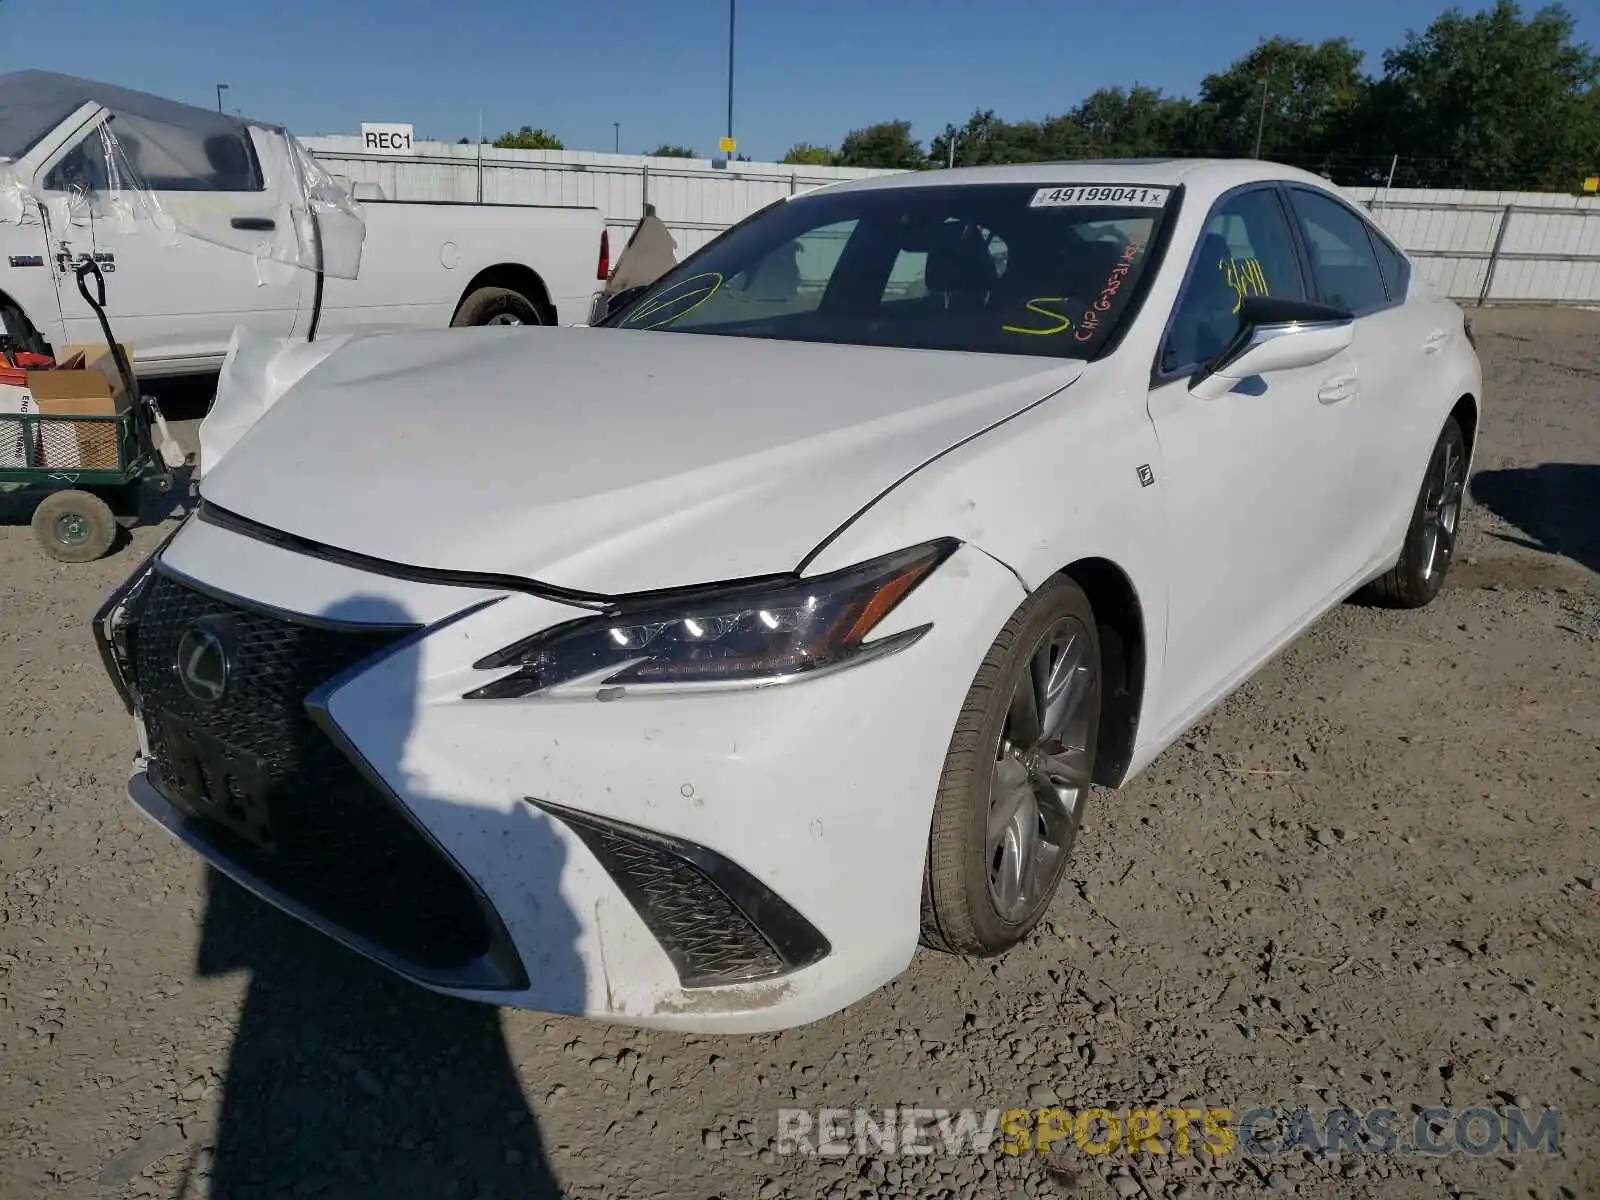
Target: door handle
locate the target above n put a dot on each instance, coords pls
(1435, 341)
(1334, 390)
(255, 224)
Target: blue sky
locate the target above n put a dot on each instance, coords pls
(805, 71)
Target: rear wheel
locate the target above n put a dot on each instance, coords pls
(15, 325)
(74, 527)
(1016, 778)
(497, 306)
(1435, 520)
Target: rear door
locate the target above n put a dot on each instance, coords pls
(174, 299)
(1256, 479)
(1397, 348)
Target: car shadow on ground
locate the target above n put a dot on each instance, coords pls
(1555, 505)
(346, 1080)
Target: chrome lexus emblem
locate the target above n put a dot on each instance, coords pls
(203, 661)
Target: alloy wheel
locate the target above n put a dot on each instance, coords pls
(1042, 768)
(1441, 507)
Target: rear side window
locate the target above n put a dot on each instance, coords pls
(1343, 263)
(1246, 250)
(1396, 271)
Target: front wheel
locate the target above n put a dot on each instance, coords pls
(1435, 521)
(1016, 778)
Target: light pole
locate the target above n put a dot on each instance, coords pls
(616, 142)
(731, 5)
(1261, 118)
(221, 87)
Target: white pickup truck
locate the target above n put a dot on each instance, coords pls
(188, 213)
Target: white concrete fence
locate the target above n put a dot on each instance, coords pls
(1480, 247)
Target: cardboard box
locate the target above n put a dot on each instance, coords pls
(98, 357)
(84, 383)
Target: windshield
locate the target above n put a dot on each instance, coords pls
(997, 268)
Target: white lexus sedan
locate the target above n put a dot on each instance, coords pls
(689, 669)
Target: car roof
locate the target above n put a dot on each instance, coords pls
(1206, 175)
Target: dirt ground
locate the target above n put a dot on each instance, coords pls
(1369, 880)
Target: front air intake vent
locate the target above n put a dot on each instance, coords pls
(717, 923)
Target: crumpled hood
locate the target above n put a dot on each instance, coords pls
(606, 461)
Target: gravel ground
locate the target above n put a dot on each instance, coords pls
(1369, 880)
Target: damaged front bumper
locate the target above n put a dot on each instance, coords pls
(729, 861)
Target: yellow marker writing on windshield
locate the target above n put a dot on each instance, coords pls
(1036, 305)
(658, 303)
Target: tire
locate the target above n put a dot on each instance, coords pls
(74, 527)
(14, 324)
(1430, 541)
(497, 306)
(967, 905)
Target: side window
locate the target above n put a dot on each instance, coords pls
(1247, 250)
(1343, 263)
(1396, 271)
(81, 169)
(908, 278)
(165, 158)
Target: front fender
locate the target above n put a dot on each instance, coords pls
(1055, 485)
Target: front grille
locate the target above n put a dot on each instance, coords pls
(297, 814)
(717, 923)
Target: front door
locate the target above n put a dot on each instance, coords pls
(172, 297)
(1255, 479)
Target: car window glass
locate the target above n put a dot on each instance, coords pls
(163, 158)
(990, 268)
(1246, 250)
(1342, 260)
(908, 278)
(790, 278)
(1396, 274)
(81, 169)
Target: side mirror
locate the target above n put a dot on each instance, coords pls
(1274, 335)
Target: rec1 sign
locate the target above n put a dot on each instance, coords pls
(385, 139)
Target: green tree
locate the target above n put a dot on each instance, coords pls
(1303, 99)
(665, 151)
(1140, 122)
(805, 154)
(986, 139)
(528, 138)
(888, 145)
(1490, 100)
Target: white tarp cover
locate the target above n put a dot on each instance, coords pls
(152, 147)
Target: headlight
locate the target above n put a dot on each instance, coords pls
(733, 636)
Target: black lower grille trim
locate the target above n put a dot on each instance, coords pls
(717, 923)
(261, 784)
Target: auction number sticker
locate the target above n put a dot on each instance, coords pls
(1099, 194)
